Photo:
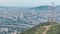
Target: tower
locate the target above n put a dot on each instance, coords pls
(52, 14)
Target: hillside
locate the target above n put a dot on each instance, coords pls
(21, 19)
(54, 30)
(44, 28)
(31, 15)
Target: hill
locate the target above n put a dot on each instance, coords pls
(54, 30)
(44, 28)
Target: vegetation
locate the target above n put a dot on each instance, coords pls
(37, 29)
(54, 30)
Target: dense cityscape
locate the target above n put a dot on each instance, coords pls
(14, 20)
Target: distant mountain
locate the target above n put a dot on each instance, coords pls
(41, 8)
(46, 7)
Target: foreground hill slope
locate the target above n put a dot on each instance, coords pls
(54, 29)
(43, 28)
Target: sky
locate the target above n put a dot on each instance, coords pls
(27, 3)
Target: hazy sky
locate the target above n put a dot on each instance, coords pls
(27, 3)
